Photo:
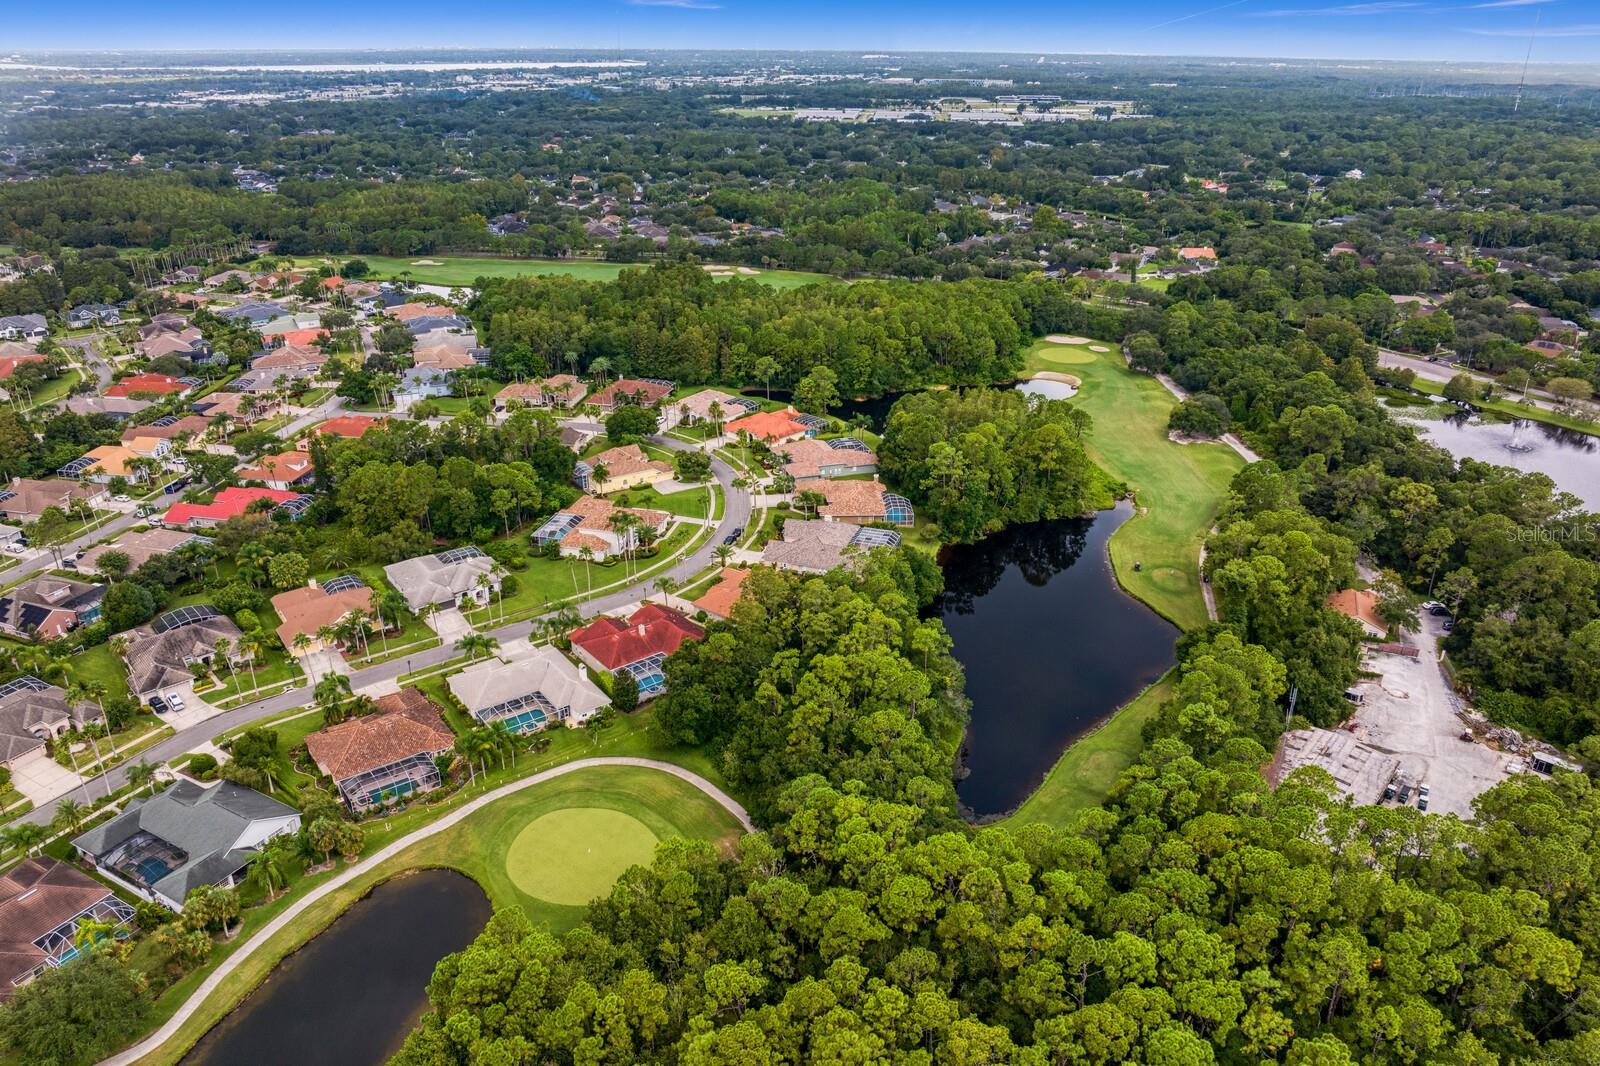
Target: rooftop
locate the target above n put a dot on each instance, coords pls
(407, 723)
(650, 630)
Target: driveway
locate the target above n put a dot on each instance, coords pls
(1410, 712)
(450, 624)
(735, 513)
(42, 779)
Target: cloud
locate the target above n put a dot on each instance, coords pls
(1194, 15)
(693, 5)
(1591, 29)
(1507, 3)
(1375, 7)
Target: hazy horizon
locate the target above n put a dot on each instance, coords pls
(1466, 31)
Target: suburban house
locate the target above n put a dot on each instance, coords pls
(150, 385)
(252, 313)
(192, 425)
(350, 427)
(112, 461)
(638, 644)
(32, 710)
(9, 361)
(42, 901)
(587, 523)
(421, 383)
(164, 846)
(231, 502)
(839, 457)
(25, 499)
(10, 535)
(1361, 605)
(625, 466)
(718, 600)
(111, 406)
(23, 328)
(139, 547)
(446, 351)
(235, 406)
(528, 694)
(405, 312)
(378, 758)
(775, 427)
(576, 438)
(307, 611)
(815, 547)
(289, 361)
(697, 407)
(49, 606)
(561, 390)
(286, 470)
(861, 502)
(1194, 254)
(284, 325)
(92, 314)
(159, 655)
(166, 322)
(642, 392)
(460, 577)
(147, 446)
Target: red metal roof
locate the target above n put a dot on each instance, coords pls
(651, 630)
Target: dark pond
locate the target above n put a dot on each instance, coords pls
(1051, 646)
(352, 995)
(1570, 458)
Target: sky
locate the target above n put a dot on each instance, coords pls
(1467, 30)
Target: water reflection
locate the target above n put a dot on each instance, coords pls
(1571, 459)
(1051, 646)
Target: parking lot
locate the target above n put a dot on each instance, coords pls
(1409, 711)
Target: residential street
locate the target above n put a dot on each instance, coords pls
(1442, 372)
(735, 513)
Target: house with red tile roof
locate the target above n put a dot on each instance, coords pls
(307, 610)
(1362, 605)
(559, 390)
(1192, 253)
(809, 457)
(9, 363)
(231, 502)
(406, 312)
(286, 470)
(587, 523)
(302, 337)
(637, 644)
(638, 391)
(42, 901)
(291, 358)
(350, 427)
(148, 384)
(772, 427)
(380, 758)
(719, 599)
(858, 502)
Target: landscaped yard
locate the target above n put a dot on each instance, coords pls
(1178, 487)
(464, 270)
(690, 503)
(99, 665)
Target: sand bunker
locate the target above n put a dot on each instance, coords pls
(1098, 348)
(748, 270)
(1063, 338)
(1052, 375)
(426, 263)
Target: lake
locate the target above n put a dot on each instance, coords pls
(1051, 646)
(1570, 458)
(352, 995)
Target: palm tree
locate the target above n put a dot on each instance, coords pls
(25, 836)
(600, 368)
(391, 603)
(723, 553)
(665, 585)
(219, 653)
(331, 694)
(301, 644)
(586, 553)
(141, 774)
(268, 867)
(476, 644)
(249, 648)
(69, 814)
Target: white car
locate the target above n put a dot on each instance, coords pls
(175, 701)
(17, 549)
(122, 497)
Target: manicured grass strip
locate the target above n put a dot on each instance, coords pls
(465, 269)
(1087, 770)
(1179, 487)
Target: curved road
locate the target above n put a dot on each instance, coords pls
(735, 513)
(198, 997)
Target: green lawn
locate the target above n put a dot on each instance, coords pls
(464, 270)
(98, 664)
(1178, 487)
(479, 846)
(691, 503)
(1088, 769)
(1518, 410)
(55, 389)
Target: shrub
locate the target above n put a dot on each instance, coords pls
(203, 766)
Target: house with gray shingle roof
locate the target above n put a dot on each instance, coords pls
(30, 711)
(192, 835)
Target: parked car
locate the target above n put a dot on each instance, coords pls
(1388, 792)
(122, 497)
(1439, 610)
(175, 701)
(1422, 803)
(1405, 795)
(158, 705)
(1449, 624)
(734, 536)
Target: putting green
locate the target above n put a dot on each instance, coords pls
(576, 854)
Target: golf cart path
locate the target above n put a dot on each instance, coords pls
(196, 999)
